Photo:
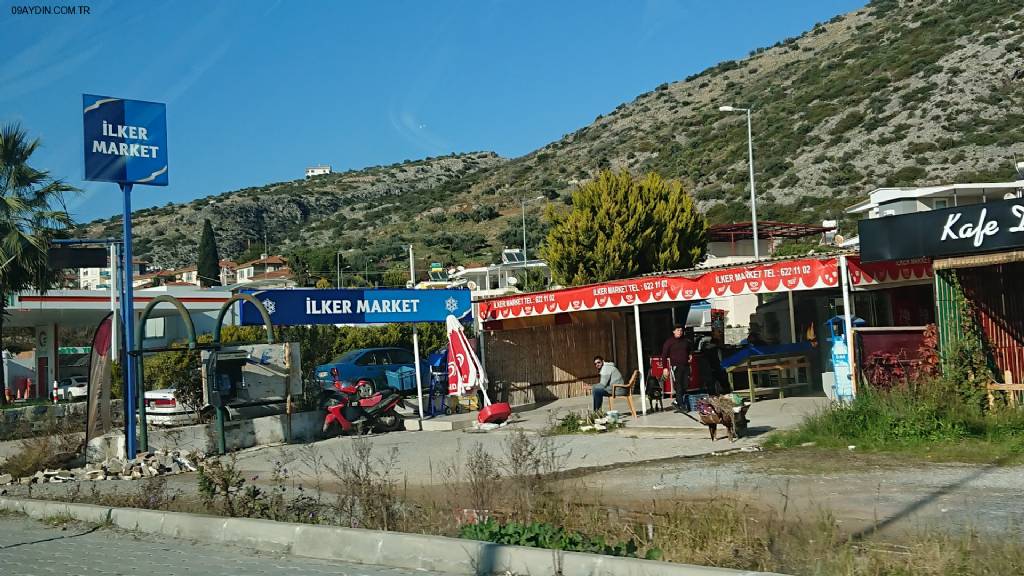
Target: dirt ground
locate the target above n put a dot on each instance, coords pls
(864, 492)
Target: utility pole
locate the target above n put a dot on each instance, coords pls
(750, 156)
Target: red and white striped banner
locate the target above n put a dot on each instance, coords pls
(888, 272)
(766, 278)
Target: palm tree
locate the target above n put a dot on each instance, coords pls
(31, 212)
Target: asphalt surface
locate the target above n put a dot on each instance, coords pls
(30, 548)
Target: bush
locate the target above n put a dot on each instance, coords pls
(543, 535)
(55, 447)
(907, 404)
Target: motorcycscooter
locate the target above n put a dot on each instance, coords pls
(358, 408)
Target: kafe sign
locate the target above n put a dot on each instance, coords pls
(967, 229)
(125, 140)
(302, 306)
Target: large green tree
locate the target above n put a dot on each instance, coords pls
(208, 265)
(620, 226)
(31, 213)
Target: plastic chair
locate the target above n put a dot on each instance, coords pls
(629, 393)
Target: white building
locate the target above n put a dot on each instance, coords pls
(491, 280)
(318, 170)
(267, 272)
(227, 272)
(733, 244)
(99, 278)
(894, 201)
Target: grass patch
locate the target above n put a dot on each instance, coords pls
(57, 520)
(930, 427)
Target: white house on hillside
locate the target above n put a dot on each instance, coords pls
(318, 170)
(99, 278)
(258, 269)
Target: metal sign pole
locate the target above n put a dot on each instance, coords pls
(848, 320)
(113, 299)
(125, 141)
(640, 360)
(128, 319)
(416, 342)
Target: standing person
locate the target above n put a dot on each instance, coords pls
(676, 351)
(610, 376)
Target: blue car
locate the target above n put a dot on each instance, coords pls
(393, 367)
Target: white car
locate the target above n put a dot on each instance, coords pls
(164, 409)
(73, 388)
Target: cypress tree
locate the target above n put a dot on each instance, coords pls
(208, 265)
(621, 226)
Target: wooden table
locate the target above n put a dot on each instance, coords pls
(771, 363)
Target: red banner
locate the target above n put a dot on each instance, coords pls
(803, 274)
(888, 272)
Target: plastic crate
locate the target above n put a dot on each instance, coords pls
(692, 399)
(403, 378)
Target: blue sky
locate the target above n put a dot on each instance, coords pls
(258, 90)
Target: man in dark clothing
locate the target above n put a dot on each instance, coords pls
(676, 351)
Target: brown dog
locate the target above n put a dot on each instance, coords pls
(717, 410)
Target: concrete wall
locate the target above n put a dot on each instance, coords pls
(16, 371)
(239, 434)
(43, 412)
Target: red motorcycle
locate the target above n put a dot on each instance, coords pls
(358, 407)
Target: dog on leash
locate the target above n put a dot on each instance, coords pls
(716, 410)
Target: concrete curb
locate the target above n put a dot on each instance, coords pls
(394, 549)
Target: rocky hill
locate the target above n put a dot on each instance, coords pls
(347, 210)
(898, 93)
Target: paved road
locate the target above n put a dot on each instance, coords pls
(30, 548)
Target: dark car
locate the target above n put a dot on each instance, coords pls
(374, 364)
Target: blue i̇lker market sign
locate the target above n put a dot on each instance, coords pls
(304, 306)
(125, 140)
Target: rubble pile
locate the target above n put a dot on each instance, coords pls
(145, 465)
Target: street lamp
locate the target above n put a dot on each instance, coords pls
(750, 153)
(526, 270)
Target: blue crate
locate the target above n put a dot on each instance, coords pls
(692, 399)
(403, 378)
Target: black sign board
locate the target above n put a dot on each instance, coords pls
(64, 257)
(970, 229)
